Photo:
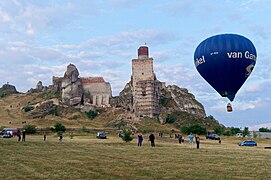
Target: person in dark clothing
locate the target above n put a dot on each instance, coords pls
(60, 138)
(180, 138)
(19, 136)
(44, 136)
(140, 139)
(197, 141)
(23, 135)
(151, 138)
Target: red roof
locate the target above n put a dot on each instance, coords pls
(92, 80)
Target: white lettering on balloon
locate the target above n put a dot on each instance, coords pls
(237, 55)
(199, 61)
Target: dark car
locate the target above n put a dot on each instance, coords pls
(121, 134)
(213, 137)
(248, 143)
(101, 135)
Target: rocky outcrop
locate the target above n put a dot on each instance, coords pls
(72, 90)
(39, 88)
(125, 98)
(7, 89)
(172, 99)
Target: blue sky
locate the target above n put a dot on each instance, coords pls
(38, 39)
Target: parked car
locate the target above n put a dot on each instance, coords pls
(248, 143)
(213, 137)
(12, 131)
(7, 135)
(101, 135)
(121, 134)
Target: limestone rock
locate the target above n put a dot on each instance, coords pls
(175, 98)
(7, 89)
(71, 73)
(72, 90)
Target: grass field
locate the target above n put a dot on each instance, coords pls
(85, 157)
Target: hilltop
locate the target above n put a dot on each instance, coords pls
(43, 109)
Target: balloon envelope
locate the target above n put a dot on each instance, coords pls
(225, 61)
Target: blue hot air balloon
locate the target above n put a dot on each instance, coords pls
(225, 61)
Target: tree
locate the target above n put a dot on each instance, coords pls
(245, 132)
(127, 136)
(264, 129)
(92, 114)
(30, 129)
(170, 118)
(59, 127)
(235, 130)
(219, 130)
(195, 129)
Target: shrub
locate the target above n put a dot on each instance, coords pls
(92, 114)
(219, 130)
(54, 111)
(59, 127)
(170, 118)
(195, 129)
(127, 136)
(28, 108)
(30, 129)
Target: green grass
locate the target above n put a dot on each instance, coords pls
(85, 157)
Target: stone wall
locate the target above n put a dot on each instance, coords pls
(97, 91)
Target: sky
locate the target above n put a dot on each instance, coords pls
(38, 39)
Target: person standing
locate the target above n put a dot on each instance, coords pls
(44, 136)
(191, 139)
(19, 136)
(151, 138)
(60, 138)
(180, 136)
(197, 141)
(140, 139)
(23, 135)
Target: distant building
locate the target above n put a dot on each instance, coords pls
(146, 88)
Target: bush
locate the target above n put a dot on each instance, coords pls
(30, 129)
(219, 130)
(54, 111)
(170, 118)
(195, 129)
(28, 108)
(59, 127)
(127, 136)
(92, 114)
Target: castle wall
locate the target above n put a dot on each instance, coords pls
(147, 98)
(97, 91)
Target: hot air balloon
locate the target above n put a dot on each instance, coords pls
(225, 61)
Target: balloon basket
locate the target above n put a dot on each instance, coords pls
(229, 107)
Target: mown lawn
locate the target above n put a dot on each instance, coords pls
(85, 157)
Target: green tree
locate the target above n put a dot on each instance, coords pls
(235, 130)
(170, 118)
(59, 127)
(195, 129)
(262, 129)
(219, 130)
(245, 132)
(127, 136)
(30, 129)
(92, 114)
(28, 108)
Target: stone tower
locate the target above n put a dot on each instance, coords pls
(145, 87)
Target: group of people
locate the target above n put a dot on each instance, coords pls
(23, 135)
(179, 136)
(140, 139)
